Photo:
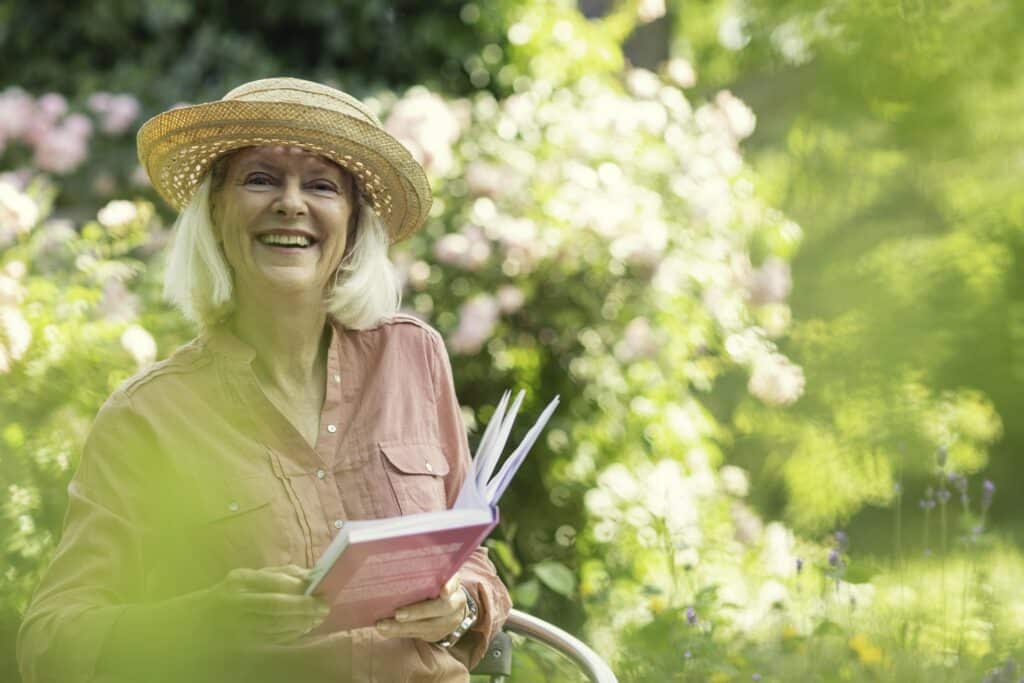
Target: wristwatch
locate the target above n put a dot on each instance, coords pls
(472, 613)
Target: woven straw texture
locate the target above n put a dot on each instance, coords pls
(178, 146)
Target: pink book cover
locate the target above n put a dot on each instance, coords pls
(371, 579)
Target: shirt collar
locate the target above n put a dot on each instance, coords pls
(222, 340)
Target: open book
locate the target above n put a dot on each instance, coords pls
(374, 566)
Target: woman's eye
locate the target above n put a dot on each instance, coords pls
(258, 179)
(325, 186)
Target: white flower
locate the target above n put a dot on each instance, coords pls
(140, 344)
(11, 293)
(771, 283)
(681, 72)
(619, 481)
(738, 115)
(650, 10)
(15, 335)
(642, 83)
(18, 212)
(778, 555)
(731, 33)
(776, 380)
(117, 213)
(772, 593)
(734, 481)
(477, 318)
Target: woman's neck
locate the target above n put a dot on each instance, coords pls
(290, 342)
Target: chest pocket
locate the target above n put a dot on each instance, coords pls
(416, 474)
(246, 523)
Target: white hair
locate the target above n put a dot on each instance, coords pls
(198, 280)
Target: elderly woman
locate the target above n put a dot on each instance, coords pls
(212, 479)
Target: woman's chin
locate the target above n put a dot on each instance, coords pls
(298, 282)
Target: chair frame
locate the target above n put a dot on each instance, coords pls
(529, 626)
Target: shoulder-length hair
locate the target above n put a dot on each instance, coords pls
(198, 280)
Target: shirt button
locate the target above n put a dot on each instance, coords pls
(320, 474)
(337, 379)
(233, 506)
(332, 428)
(430, 468)
(338, 523)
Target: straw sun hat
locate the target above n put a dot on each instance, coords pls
(178, 146)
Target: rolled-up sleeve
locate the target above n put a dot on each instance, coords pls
(478, 575)
(96, 571)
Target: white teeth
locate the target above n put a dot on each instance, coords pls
(285, 240)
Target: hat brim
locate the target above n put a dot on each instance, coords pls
(177, 148)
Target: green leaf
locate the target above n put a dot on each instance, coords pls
(505, 556)
(526, 594)
(556, 576)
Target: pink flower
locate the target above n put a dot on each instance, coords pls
(770, 283)
(468, 249)
(477, 318)
(121, 113)
(61, 150)
(52, 106)
(17, 109)
(510, 298)
(638, 341)
(118, 304)
(427, 127)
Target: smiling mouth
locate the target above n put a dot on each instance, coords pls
(289, 241)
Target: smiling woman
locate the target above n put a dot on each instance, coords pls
(212, 480)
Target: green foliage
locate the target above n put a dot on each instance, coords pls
(599, 233)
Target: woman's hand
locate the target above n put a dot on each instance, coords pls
(261, 605)
(430, 620)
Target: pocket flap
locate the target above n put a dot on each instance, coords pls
(416, 458)
(224, 501)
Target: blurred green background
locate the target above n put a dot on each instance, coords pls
(768, 253)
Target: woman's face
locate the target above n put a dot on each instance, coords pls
(282, 217)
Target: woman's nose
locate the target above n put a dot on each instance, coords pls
(290, 202)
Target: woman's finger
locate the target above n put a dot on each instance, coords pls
(430, 630)
(429, 609)
(264, 581)
(271, 604)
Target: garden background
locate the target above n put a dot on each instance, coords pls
(769, 253)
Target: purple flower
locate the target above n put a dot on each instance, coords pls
(943, 496)
(958, 481)
(927, 503)
(691, 616)
(833, 557)
(755, 677)
(842, 540)
(988, 489)
(799, 565)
